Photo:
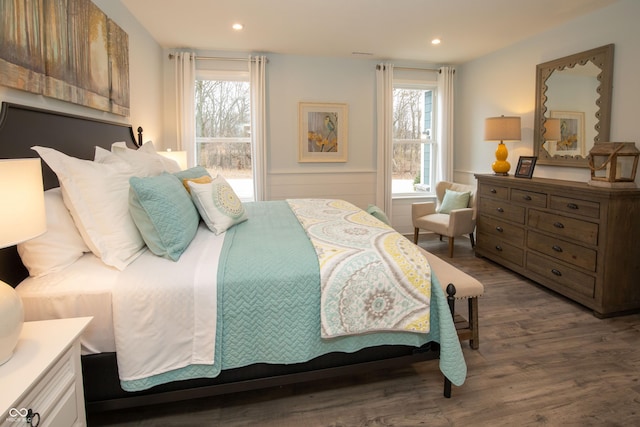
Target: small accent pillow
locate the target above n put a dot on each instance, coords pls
(145, 155)
(60, 246)
(218, 204)
(192, 173)
(200, 180)
(96, 194)
(164, 214)
(454, 200)
(378, 213)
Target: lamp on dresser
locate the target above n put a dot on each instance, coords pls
(22, 217)
(502, 129)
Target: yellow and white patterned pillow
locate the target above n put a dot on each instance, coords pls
(217, 203)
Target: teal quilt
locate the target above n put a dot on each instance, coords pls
(269, 304)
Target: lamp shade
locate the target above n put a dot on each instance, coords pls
(22, 216)
(552, 130)
(179, 156)
(502, 129)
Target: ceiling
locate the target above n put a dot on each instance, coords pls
(381, 29)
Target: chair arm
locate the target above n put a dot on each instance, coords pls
(421, 209)
(461, 221)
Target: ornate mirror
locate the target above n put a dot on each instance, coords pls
(573, 106)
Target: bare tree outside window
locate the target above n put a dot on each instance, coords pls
(223, 127)
(411, 131)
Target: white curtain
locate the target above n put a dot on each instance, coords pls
(257, 71)
(384, 139)
(185, 72)
(444, 171)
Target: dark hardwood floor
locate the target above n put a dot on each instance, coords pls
(543, 360)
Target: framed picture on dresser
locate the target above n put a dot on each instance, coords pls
(526, 164)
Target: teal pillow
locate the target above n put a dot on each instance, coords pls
(378, 213)
(163, 213)
(191, 173)
(454, 200)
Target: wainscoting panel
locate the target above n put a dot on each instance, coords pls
(354, 187)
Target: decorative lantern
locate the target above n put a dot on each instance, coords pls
(613, 164)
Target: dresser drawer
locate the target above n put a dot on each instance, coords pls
(560, 249)
(529, 198)
(559, 274)
(494, 191)
(569, 228)
(501, 248)
(501, 229)
(575, 206)
(502, 209)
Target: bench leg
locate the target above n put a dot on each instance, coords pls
(474, 342)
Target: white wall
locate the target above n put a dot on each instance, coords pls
(292, 79)
(504, 83)
(145, 79)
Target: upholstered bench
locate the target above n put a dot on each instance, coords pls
(466, 287)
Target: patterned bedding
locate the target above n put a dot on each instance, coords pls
(372, 278)
(269, 304)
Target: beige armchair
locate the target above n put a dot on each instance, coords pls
(457, 222)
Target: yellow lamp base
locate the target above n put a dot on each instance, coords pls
(501, 166)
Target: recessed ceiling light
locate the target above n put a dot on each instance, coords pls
(237, 26)
(436, 41)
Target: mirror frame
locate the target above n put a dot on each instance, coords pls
(601, 57)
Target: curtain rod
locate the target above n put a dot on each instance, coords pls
(216, 58)
(413, 68)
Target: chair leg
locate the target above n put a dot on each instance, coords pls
(474, 342)
(415, 235)
(450, 247)
(473, 241)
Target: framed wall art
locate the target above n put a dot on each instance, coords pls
(323, 130)
(572, 139)
(67, 50)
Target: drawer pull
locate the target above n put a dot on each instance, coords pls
(572, 206)
(493, 191)
(500, 210)
(556, 248)
(499, 248)
(528, 198)
(558, 225)
(500, 229)
(556, 272)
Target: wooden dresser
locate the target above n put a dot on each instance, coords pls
(581, 241)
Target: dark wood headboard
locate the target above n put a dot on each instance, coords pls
(22, 127)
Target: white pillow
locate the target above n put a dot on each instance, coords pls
(139, 168)
(146, 155)
(218, 204)
(97, 195)
(60, 246)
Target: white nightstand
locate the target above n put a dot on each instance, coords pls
(44, 375)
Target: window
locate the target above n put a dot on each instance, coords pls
(413, 139)
(223, 128)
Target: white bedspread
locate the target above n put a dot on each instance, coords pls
(156, 298)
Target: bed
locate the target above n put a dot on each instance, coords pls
(242, 360)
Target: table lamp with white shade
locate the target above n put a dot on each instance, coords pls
(22, 217)
(502, 129)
